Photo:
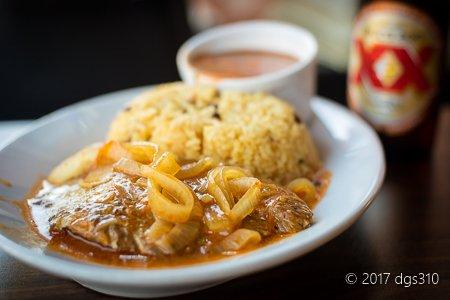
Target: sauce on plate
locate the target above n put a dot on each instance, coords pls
(77, 247)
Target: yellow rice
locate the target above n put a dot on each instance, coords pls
(255, 131)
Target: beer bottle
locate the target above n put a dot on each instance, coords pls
(396, 59)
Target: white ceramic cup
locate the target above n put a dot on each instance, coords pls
(296, 83)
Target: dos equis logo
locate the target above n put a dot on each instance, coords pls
(393, 66)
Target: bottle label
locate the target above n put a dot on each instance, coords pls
(393, 71)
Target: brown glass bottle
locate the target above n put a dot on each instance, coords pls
(394, 73)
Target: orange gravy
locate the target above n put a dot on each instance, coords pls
(78, 248)
(242, 63)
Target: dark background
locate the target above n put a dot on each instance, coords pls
(53, 53)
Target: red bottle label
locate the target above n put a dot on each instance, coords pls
(393, 71)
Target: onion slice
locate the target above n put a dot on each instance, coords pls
(239, 239)
(196, 168)
(180, 236)
(247, 203)
(163, 207)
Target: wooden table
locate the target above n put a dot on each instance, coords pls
(406, 230)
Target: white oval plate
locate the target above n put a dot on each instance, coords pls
(349, 147)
